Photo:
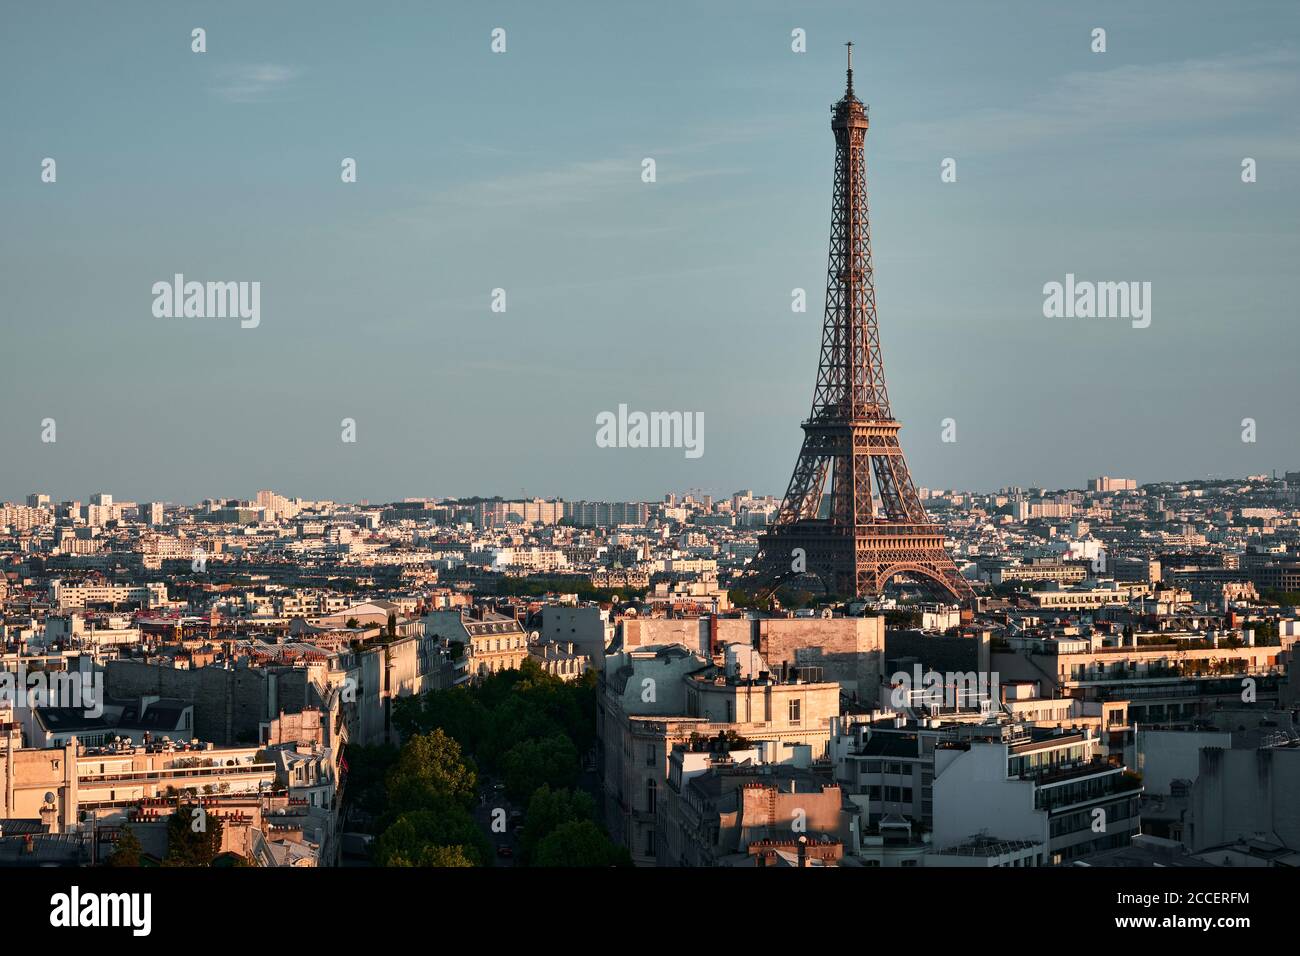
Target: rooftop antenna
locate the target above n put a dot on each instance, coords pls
(849, 87)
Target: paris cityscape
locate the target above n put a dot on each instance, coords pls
(360, 595)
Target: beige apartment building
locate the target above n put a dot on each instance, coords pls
(1086, 599)
(562, 659)
(67, 597)
(493, 642)
(1169, 681)
(654, 698)
(283, 792)
(723, 809)
(848, 650)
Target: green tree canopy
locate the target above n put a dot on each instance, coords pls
(127, 849)
(529, 764)
(489, 718)
(193, 837)
(429, 766)
(427, 837)
(547, 810)
(579, 843)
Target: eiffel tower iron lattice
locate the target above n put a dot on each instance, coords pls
(854, 541)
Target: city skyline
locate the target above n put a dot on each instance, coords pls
(1277, 474)
(376, 295)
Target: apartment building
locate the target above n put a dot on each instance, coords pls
(1051, 787)
(1057, 572)
(492, 642)
(562, 659)
(588, 627)
(731, 809)
(67, 597)
(653, 698)
(1164, 677)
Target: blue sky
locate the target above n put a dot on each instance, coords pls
(522, 171)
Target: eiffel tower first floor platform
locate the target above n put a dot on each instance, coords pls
(857, 564)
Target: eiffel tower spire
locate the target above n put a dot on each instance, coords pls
(851, 514)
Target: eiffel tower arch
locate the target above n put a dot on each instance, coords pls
(851, 516)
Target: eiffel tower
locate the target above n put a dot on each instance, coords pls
(854, 542)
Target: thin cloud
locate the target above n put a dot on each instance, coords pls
(253, 83)
(582, 181)
(593, 179)
(1187, 95)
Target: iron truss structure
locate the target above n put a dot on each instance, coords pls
(834, 524)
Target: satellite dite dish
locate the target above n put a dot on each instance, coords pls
(49, 796)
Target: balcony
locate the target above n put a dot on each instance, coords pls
(1085, 784)
(1048, 776)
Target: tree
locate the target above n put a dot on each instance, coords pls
(531, 763)
(429, 766)
(489, 718)
(444, 856)
(127, 850)
(547, 810)
(193, 837)
(457, 712)
(426, 837)
(579, 843)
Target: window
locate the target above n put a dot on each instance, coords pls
(795, 707)
(651, 793)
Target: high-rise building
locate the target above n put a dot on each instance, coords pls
(1106, 483)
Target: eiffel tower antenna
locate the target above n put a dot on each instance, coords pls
(851, 516)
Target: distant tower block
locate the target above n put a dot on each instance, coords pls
(853, 544)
